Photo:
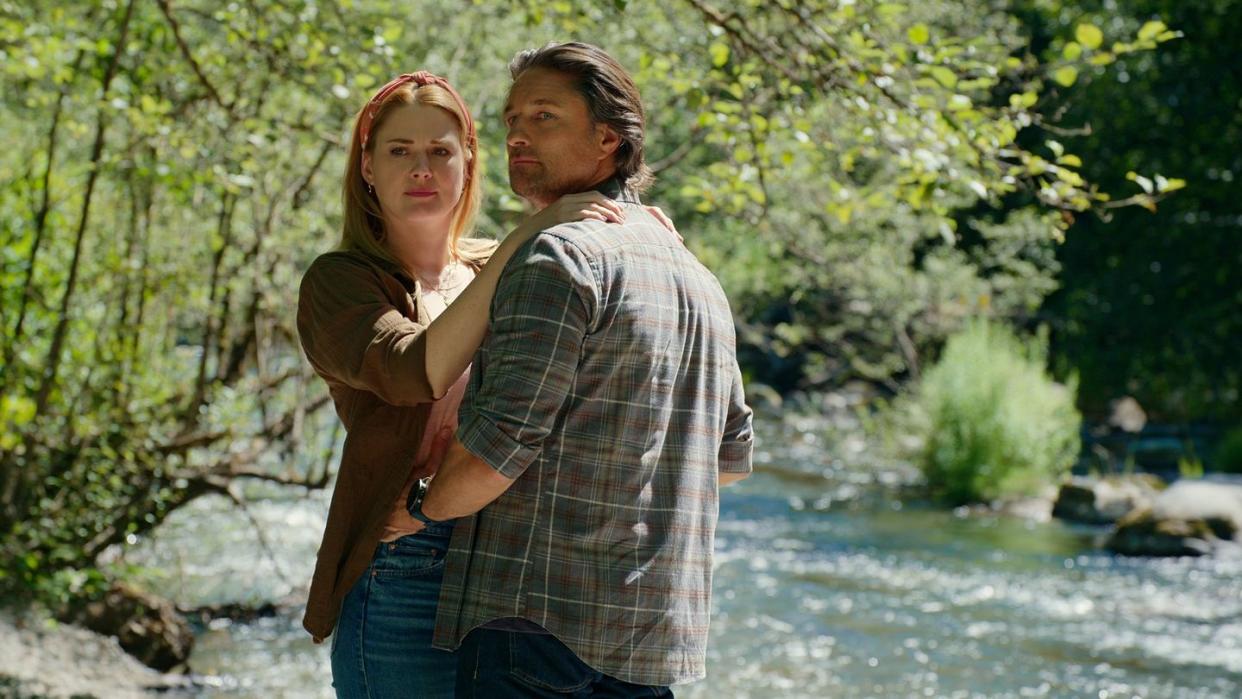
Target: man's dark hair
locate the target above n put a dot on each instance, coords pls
(610, 95)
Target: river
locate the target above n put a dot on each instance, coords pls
(827, 584)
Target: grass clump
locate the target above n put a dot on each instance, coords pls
(987, 420)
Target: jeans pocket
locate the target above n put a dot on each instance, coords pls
(408, 556)
(542, 661)
(407, 561)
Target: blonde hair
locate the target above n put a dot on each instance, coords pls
(363, 225)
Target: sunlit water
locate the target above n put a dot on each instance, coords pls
(826, 585)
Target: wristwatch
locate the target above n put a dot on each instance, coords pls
(414, 503)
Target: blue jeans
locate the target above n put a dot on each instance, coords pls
(382, 645)
(493, 663)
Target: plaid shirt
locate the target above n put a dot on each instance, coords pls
(608, 387)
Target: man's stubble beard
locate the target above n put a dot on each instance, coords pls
(540, 188)
(530, 188)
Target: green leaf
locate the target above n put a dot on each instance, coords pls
(918, 34)
(944, 76)
(1070, 160)
(1151, 30)
(720, 53)
(1066, 76)
(1072, 51)
(1089, 35)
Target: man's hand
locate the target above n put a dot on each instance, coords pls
(399, 522)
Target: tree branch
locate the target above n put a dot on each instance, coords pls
(189, 57)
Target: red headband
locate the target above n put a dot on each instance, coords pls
(421, 78)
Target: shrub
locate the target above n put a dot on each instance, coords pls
(1229, 452)
(988, 420)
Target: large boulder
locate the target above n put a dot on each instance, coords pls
(147, 627)
(1104, 501)
(1191, 518)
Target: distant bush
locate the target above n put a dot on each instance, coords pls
(1229, 452)
(987, 421)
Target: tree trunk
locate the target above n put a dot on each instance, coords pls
(52, 365)
(40, 223)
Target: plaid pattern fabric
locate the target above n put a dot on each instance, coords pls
(608, 386)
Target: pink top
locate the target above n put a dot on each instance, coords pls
(443, 414)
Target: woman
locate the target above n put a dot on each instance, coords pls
(390, 321)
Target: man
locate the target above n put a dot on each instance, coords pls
(604, 410)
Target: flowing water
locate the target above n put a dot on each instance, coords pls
(826, 585)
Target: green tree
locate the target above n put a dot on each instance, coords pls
(854, 172)
(1148, 304)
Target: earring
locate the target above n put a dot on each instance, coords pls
(371, 189)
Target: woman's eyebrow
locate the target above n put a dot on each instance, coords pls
(436, 141)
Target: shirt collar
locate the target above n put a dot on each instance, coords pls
(614, 188)
(392, 268)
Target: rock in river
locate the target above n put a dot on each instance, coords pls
(147, 627)
(1104, 501)
(1191, 518)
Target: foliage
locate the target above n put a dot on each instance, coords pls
(1148, 305)
(1189, 467)
(988, 420)
(874, 149)
(1228, 456)
(864, 176)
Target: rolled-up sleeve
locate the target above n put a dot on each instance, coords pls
(543, 306)
(353, 333)
(738, 442)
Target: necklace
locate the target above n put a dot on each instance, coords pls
(442, 289)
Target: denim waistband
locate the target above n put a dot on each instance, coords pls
(437, 530)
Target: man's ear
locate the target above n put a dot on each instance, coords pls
(609, 141)
(368, 175)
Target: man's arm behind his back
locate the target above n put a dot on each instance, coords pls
(738, 441)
